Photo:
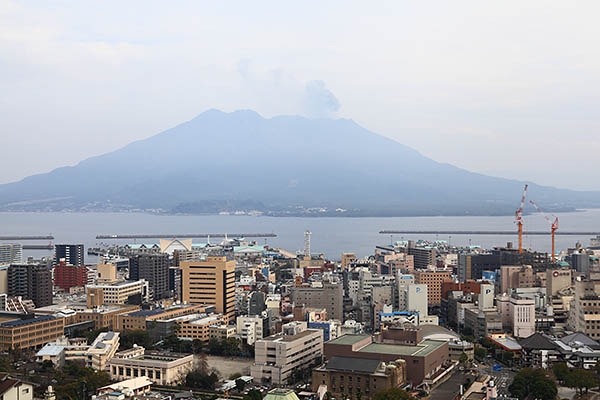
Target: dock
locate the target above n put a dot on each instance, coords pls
(186, 235)
(490, 233)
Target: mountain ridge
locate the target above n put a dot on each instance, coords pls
(283, 165)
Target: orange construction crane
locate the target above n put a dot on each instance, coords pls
(519, 219)
(553, 223)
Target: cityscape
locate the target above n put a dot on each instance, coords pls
(315, 200)
(226, 316)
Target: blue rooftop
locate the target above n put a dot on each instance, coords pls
(147, 313)
(23, 322)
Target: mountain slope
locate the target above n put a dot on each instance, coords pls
(225, 161)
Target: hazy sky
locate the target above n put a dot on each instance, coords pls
(509, 88)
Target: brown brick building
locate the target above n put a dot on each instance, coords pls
(424, 360)
(358, 378)
(433, 278)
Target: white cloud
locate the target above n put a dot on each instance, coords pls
(505, 88)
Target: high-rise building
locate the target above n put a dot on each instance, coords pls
(516, 276)
(580, 262)
(416, 299)
(31, 281)
(210, 281)
(433, 278)
(583, 315)
(423, 256)
(11, 253)
(276, 357)
(557, 279)
(330, 296)
(175, 282)
(71, 253)
(471, 266)
(68, 276)
(403, 281)
(154, 269)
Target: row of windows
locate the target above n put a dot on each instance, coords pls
(135, 372)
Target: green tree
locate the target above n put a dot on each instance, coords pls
(561, 371)
(47, 365)
(198, 380)
(480, 353)
(507, 356)
(463, 358)
(253, 394)
(581, 379)
(214, 346)
(136, 336)
(240, 384)
(544, 389)
(488, 344)
(231, 347)
(533, 383)
(393, 394)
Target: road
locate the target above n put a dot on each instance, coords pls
(502, 378)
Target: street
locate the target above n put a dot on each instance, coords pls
(501, 378)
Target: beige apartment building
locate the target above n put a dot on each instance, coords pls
(210, 281)
(107, 273)
(30, 333)
(516, 276)
(163, 368)
(117, 293)
(276, 357)
(102, 349)
(137, 320)
(585, 310)
(197, 326)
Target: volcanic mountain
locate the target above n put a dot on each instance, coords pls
(285, 165)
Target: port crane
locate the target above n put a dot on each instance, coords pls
(553, 223)
(519, 219)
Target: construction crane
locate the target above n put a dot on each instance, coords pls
(553, 223)
(519, 219)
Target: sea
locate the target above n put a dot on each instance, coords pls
(330, 235)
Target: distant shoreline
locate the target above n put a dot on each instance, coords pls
(280, 215)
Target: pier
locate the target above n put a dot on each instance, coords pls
(38, 247)
(188, 235)
(491, 233)
(49, 237)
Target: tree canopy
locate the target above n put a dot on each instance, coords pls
(531, 383)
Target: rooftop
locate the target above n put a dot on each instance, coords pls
(290, 338)
(23, 322)
(348, 339)
(352, 364)
(51, 349)
(422, 349)
(281, 394)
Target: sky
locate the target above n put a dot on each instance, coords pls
(508, 88)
